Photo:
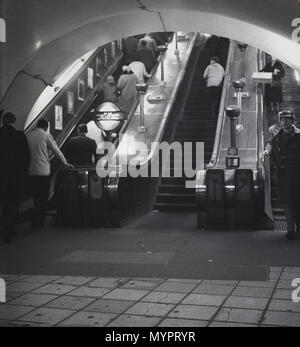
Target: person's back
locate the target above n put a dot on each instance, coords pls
(41, 145)
(214, 74)
(109, 92)
(14, 152)
(139, 70)
(81, 150)
(150, 43)
(14, 158)
(130, 46)
(127, 87)
(146, 56)
(39, 152)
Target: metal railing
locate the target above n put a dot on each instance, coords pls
(221, 119)
(263, 162)
(47, 112)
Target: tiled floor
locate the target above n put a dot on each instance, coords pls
(149, 302)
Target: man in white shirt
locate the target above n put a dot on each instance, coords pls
(214, 74)
(138, 68)
(41, 146)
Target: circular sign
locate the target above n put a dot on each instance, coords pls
(108, 116)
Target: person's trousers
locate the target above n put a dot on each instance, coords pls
(214, 96)
(10, 200)
(41, 190)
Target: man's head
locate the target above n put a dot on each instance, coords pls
(43, 124)
(214, 60)
(143, 43)
(9, 119)
(82, 129)
(110, 79)
(286, 120)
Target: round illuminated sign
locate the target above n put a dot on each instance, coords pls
(108, 116)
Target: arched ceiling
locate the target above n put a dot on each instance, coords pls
(45, 36)
(34, 24)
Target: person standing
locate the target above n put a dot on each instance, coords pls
(130, 46)
(14, 158)
(146, 56)
(273, 91)
(41, 146)
(108, 90)
(127, 89)
(81, 150)
(285, 157)
(150, 44)
(138, 68)
(214, 74)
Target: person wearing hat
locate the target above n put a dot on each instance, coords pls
(285, 157)
(127, 89)
(81, 150)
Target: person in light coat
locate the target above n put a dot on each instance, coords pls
(41, 146)
(214, 74)
(127, 89)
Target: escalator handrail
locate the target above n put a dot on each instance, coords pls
(260, 115)
(221, 116)
(31, 125)
(160, 132)
(263, 162)
(136, 103)
(112, 184)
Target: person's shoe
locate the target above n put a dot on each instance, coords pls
(290, 235)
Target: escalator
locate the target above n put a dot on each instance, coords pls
(106, 60)
(197, 125)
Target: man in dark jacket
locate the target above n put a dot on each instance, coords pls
(130, 46)
(81, 150)
(285, 155)
(14, 159)
(146, 56)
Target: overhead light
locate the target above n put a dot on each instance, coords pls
(38, 44)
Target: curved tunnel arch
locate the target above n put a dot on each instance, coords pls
(119, 23)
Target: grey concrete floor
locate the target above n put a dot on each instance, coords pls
(156, 271)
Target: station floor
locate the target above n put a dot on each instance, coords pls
(158, 271)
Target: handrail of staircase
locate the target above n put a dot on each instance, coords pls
(88, 100)
(263, 162)
(136, 103)
(220, 123)
(163, 124)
